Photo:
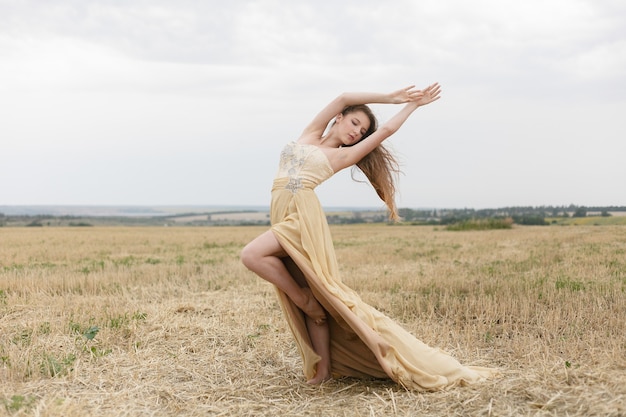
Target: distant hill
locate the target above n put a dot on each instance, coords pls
(117, 211)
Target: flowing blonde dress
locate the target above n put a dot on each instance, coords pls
(364, 342)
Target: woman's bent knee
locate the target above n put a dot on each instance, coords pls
(248, 257)
(264, 245)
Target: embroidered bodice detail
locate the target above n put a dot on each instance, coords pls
(301, 162)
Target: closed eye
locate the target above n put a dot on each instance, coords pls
(357, 122)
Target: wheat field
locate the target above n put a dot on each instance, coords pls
(166, 321)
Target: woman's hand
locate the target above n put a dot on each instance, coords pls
(405, 95)
(428, 95)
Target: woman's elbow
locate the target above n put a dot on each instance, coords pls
(343, 99)
(385, 131)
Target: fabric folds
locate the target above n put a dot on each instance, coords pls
(364, 341)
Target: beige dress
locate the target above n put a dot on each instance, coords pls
(364, 342)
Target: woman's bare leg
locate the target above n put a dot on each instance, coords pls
(263, 256)
(320, 338)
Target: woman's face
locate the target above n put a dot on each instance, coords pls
(352, 127)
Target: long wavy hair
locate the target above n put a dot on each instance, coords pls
(379, 166)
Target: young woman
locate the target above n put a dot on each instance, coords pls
(338, 334)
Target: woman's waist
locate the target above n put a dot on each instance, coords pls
(293, 184)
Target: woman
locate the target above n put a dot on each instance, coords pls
(338, 334)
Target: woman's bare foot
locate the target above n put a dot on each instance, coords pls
(313, 308)
(319, 377)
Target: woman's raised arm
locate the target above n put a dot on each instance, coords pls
(353, 154)
(320, 122)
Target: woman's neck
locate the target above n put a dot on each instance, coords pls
(330, 141)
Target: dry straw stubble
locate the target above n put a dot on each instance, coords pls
(166, 321)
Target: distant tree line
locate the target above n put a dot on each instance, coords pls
(522, 215)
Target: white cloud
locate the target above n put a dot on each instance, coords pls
(204, 93)
(605, 61)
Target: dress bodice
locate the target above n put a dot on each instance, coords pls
(304, 165)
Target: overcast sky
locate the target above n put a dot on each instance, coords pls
(190, 102)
